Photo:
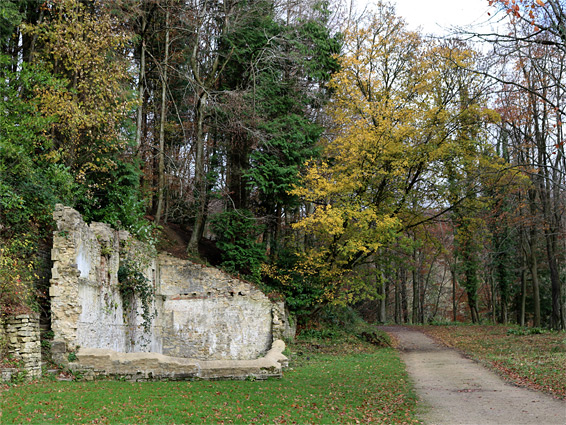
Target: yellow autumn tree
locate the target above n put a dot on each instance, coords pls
(90, 105)
(400, 107)
(84, 48)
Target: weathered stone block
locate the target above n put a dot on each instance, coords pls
(6, 374)
(58, 347)
(55, 290)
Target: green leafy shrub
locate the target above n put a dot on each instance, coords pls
(302, 293)
(17, 275)
(325, 333)
(32, 181)
(19, 377)
(31, 178)
(113, 196)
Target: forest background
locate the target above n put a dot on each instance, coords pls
(330, 158)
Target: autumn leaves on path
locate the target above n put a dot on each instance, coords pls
(456, 390)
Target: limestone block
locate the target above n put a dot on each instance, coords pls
(58, 347)
(55, 254)
(153, 366)
(55, 290)
(6, 374)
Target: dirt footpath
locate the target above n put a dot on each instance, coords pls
(455, 390)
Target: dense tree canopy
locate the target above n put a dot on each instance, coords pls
(404, 120)
(361, 164)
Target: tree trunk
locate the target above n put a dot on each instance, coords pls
(493, 298)
(454, 300)
(544, 185)
(161, 185)
(523, 290)
(533, 267)
(141, 87)
(398, 315)
(404, 302)
(383, 301)
(556, 314)
(529, 249)
(200, 176)
(415, 315)
(550, 232)
(473, 310)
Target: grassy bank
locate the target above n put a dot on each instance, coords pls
(527, 357)
(330, 381)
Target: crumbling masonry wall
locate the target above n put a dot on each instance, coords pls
(21, 333)
(199, 312)
(86, 306)
(209, 315)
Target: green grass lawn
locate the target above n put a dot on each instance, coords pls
(328, 383)
(534, 360)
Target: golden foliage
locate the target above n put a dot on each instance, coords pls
(401, 107)
(91, 100)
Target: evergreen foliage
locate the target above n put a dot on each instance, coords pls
(236, 235)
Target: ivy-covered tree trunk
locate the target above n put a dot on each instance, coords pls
(404, 297)
(383, 298)
(523, 299)
(416, 297)
(532, 262)
(503, 266)
(469, 245)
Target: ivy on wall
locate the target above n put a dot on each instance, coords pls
(133, 285)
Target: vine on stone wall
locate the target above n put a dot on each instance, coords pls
(133, 284)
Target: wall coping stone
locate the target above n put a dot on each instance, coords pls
(154, 366)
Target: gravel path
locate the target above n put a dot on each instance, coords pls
(455, 390)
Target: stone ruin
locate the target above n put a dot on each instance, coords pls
(202, 322)
(21, 334)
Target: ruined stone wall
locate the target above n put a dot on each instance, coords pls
(3, 340)
(86, 306)
(200, 312)
(23, 345)
(282, 327)
(207, 314)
